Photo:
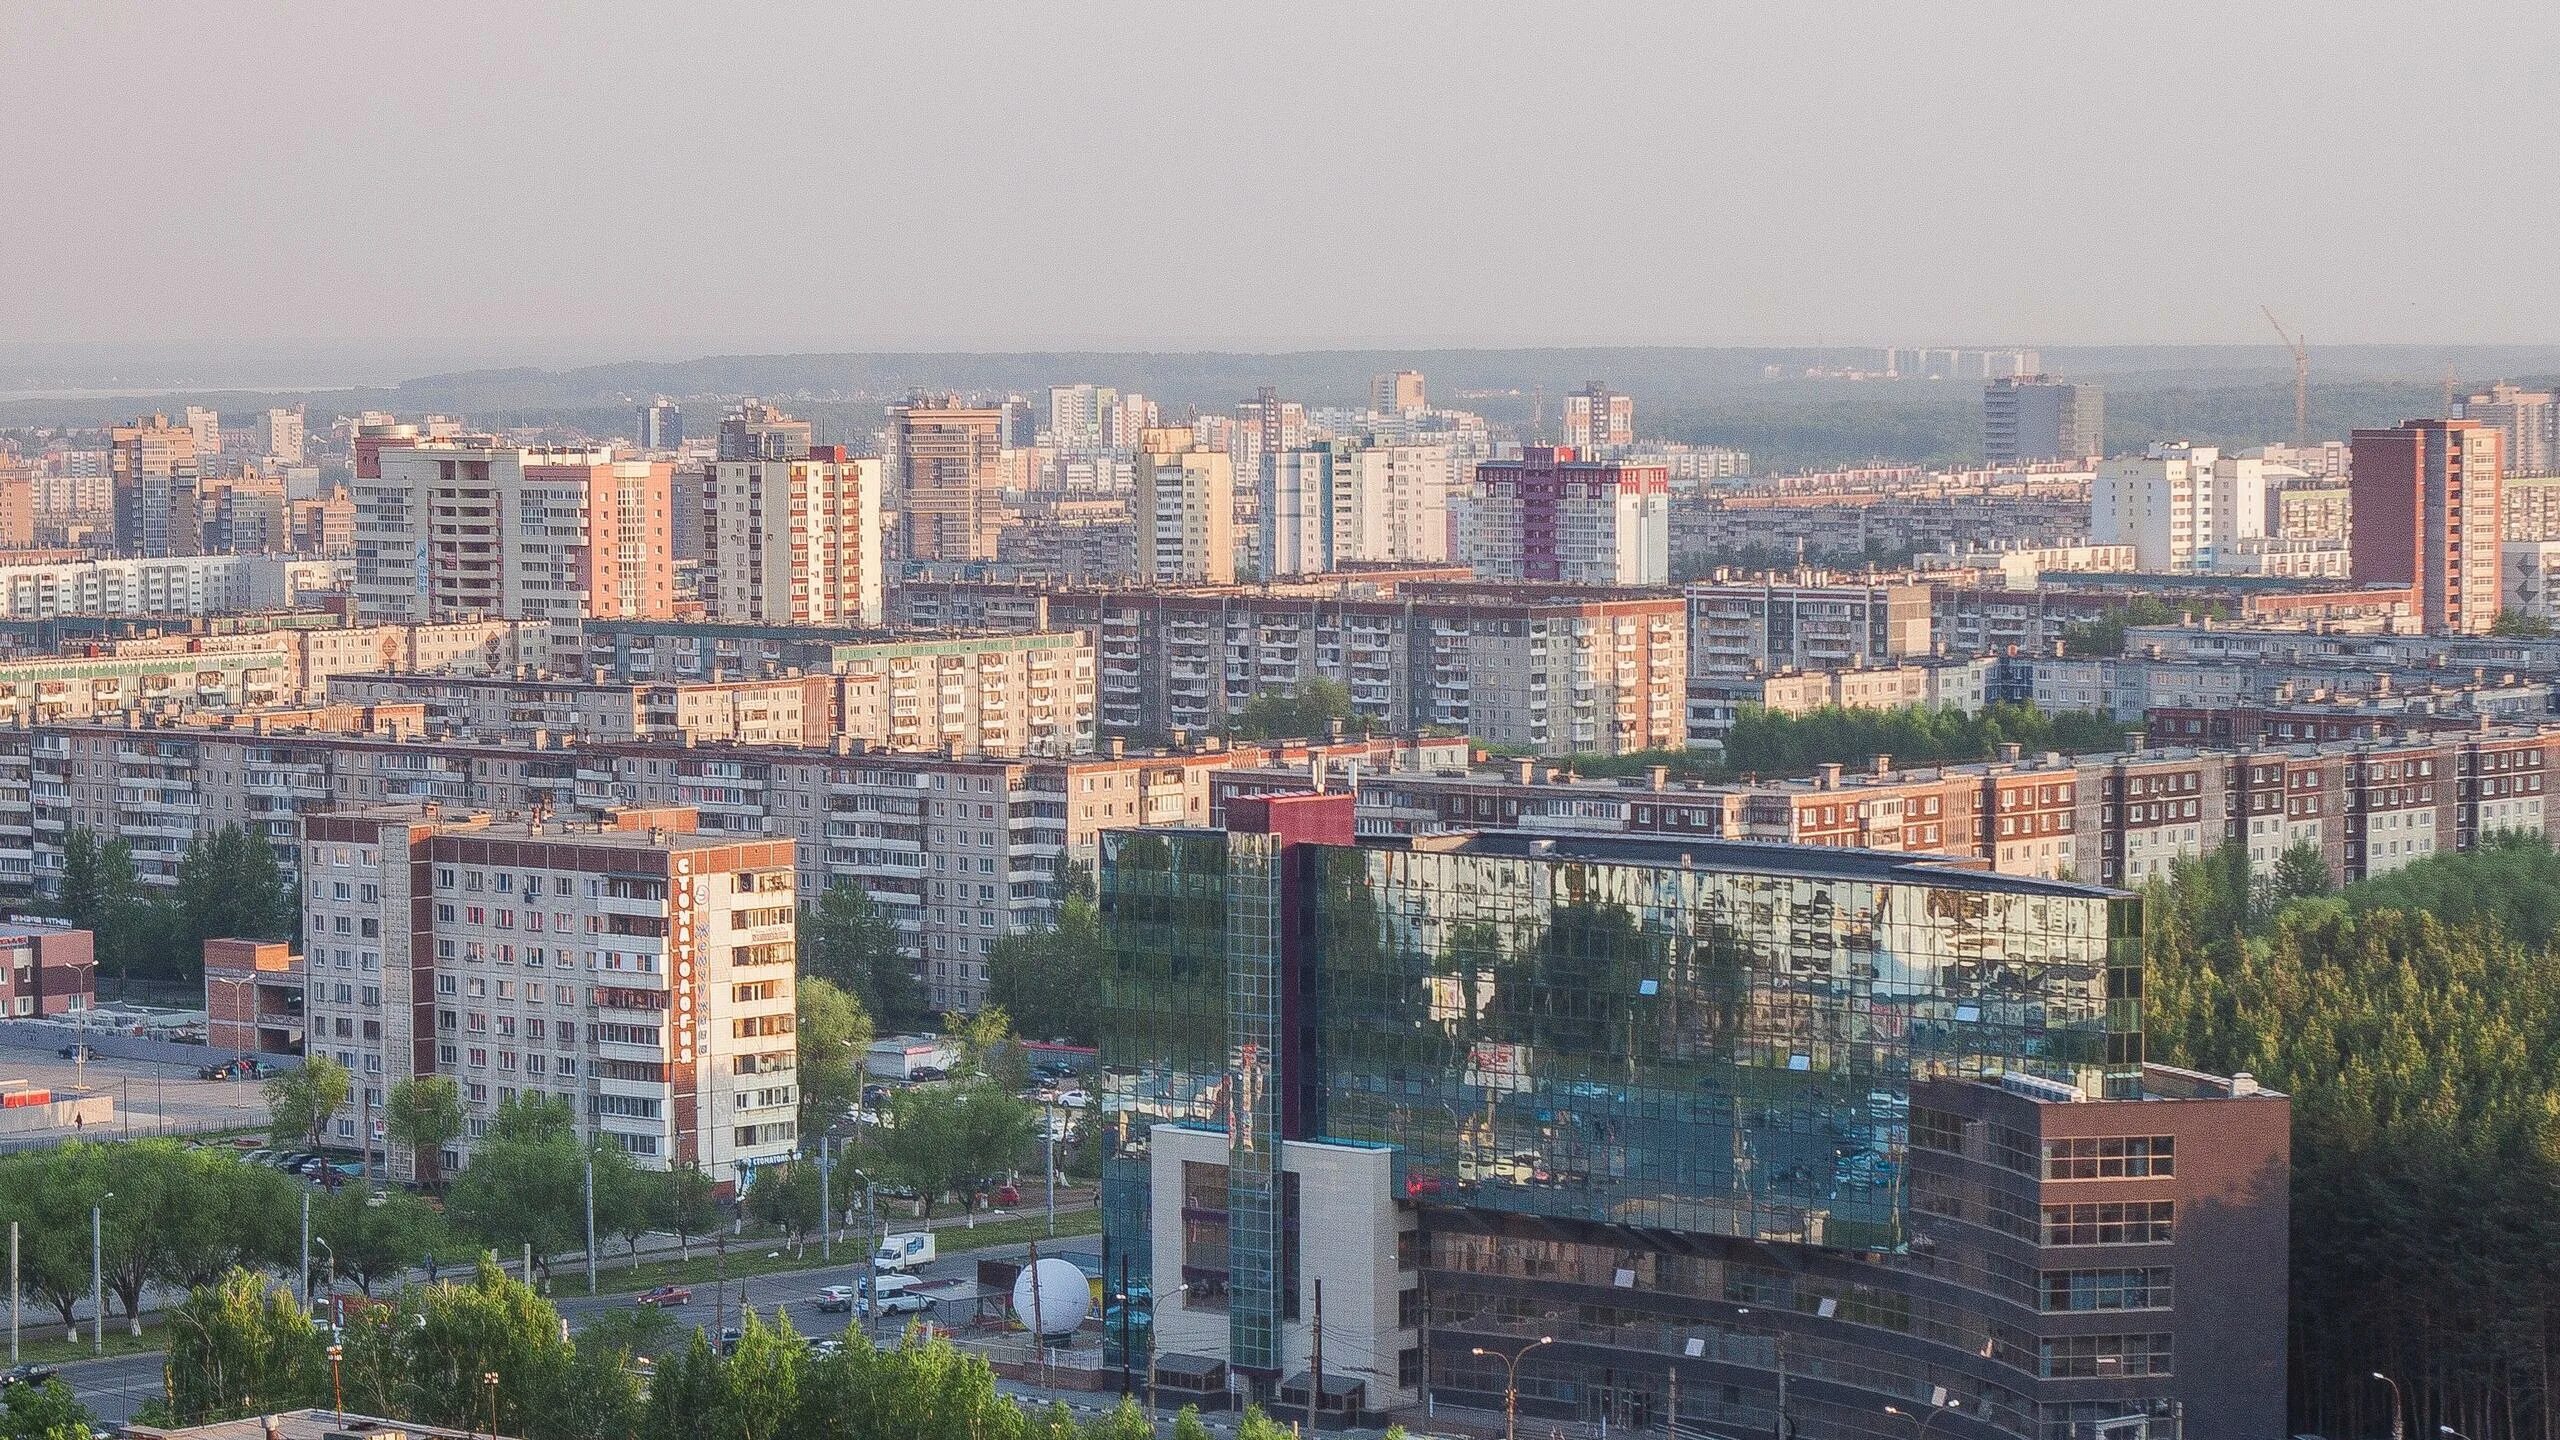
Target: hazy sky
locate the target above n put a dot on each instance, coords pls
(673, 179)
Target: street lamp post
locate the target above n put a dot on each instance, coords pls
(1923, 1421)
(1511, 1381)
(337, 1388)
(489, 1382)
(328, 1287)
(2398, 1414)
(98, 1274)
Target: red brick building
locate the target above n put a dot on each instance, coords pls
(46, 970)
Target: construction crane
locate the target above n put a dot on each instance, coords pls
(2301, 380)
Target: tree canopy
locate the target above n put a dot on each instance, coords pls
(1050, 979)
(847, 940)
(1306, 712)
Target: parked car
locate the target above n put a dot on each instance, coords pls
(78, 1050)
(244, 1067)
(928, 1072)
(664, 1295)
(824, 1348)
(1007, 1195)
(1075, 1099)
(26, 1375)
(836, 1299)
(874, 1096)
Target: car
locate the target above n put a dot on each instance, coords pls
(664, 1295)
(310, 1165)
(928, 1072)
(289, 1161)
(1075, 1099)
(874, 1096)
(1007, 1195)
(77, 1050)
(836, 1299)
(824, 1348)
(26, 1375)
(905, 1302)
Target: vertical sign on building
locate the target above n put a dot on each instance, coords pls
(680, 1079)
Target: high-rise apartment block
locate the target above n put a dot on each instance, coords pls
(1186, 507)
(1398, 392)
(152, 466)
(796, 541)
(1818, 622)
(2037, 417)
(2425, 507)
(2530, 421)
(1599, 422)
(640, 972)
(950, 486)
(1551, 516)
(207, 426)
(2181, 507)
(757, 431)
(457, 529)
(278, 435)
(661, 425)
(1084, 418)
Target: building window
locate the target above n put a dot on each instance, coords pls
(2141, 1288)
(2114, 1157)
(2134, 1222)
(2086, 1356)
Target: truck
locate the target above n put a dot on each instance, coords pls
(898, 1295)
(899, 1057)
(903, 1252)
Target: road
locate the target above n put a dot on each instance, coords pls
(118, 1385)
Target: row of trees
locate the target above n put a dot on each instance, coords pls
(228, 885)
(178, 1217)
(2414, 1019)
(489, 1354)
(1768, 742)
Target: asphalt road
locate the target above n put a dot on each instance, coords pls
(116, 1386)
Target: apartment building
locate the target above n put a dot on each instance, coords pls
(2181, 507)
(795, 541)
(1185, 512)
(1551, 516)
(168, 585)
(473, 528)
(2426, 499)
(950, 489)
(1556, 670)
(776, 711)
(1806, 621)
(152, 469)
(1012, 693)
(1598, 421)
(640, 972)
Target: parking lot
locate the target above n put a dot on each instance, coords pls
(150, 1098)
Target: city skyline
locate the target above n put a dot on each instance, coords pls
(1775, 180)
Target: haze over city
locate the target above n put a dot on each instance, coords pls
(593, 183)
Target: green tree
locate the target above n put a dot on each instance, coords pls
(102, 893)
(300, 1101)
(989, 1048)
(835, 1041)
(944, 1139)
(242, 1346)
(50, 1191)
(1188, 1425)
(1050, 980)
(45, 1412)
(424, 1113)
(2301, 872)
(2519, 624)
(685, 1204)
(1306, 712)
(376, 1240)
(526, 1183)
(626, 1198)
(229, 884)
(491, 1324)
(847, 940)
(786, 1198)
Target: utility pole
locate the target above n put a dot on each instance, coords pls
(591, 1224)
(1049, 1167)
(1315, 1361)
(97, 1280)
(14, 1301)
(306, 1250)
(528, 1265)
(826, 1199)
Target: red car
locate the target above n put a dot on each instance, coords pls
(664, 1295)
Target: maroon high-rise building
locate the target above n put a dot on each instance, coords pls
(2424, 497)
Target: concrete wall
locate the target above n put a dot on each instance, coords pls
(32, 1035)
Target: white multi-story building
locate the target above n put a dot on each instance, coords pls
(1297, 512)
(795, 542)
(1186, 505)
(645, 976)
(472, 528)
(278, 435)
(2181, 507)
(168, 585)
(1391, 504)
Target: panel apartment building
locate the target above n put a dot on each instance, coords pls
(1557, 670)
(794, 541)
(643, 974)
(476, 529)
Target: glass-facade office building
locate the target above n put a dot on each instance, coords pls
(1718, 1111)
